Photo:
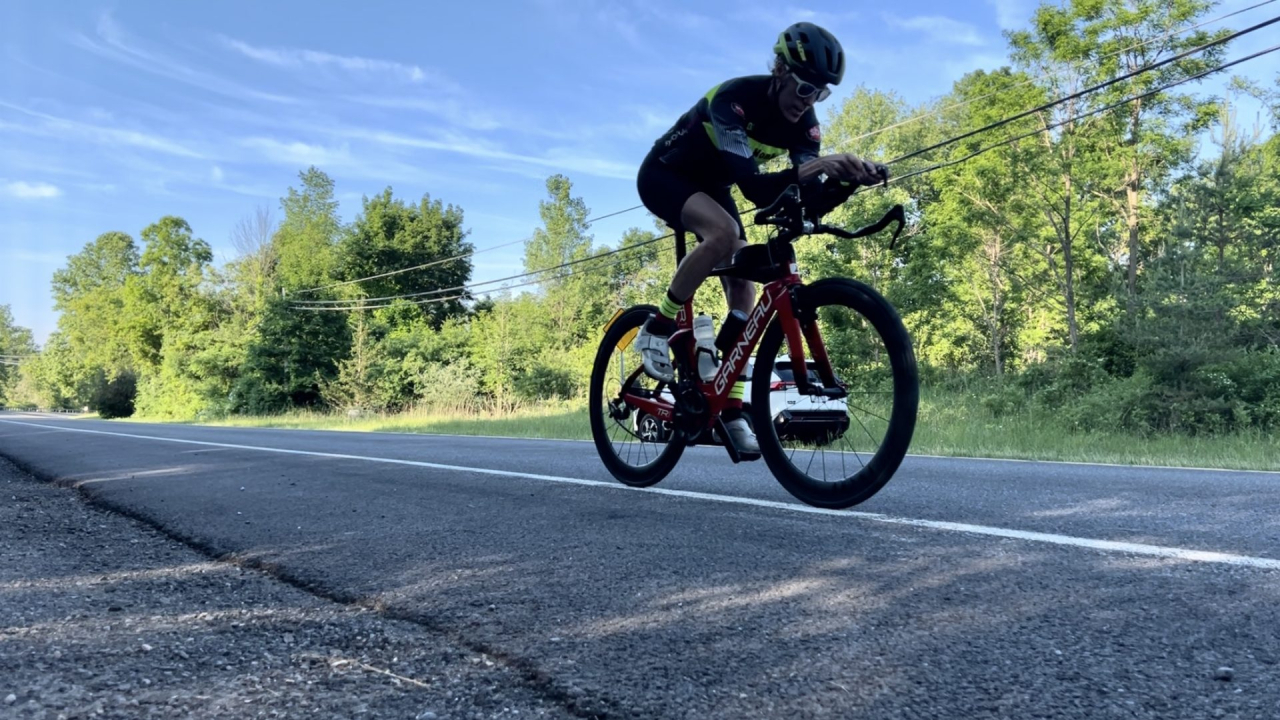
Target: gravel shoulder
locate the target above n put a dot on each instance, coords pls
(101, 616)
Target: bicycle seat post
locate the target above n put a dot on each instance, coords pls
(680, 245)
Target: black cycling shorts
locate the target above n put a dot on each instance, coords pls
(665, 191)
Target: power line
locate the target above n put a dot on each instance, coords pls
(1086, 91)
(410, 269)
(461, 256)
(1081, 116)
(1028, 80)
(310, 304)
(579, 271)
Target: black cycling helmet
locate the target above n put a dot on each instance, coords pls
(812, 53)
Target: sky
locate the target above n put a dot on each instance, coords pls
(115, 114)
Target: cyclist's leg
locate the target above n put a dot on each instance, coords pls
(720, 236)
(740, 293)
(718, 216)
(664, 193)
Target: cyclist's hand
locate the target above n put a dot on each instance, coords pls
(849, 168)
(863, 172)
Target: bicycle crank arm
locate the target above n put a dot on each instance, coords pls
(735, 454)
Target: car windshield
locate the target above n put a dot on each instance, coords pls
(782, 369)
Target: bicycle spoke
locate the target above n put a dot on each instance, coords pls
(874, 441)
(855, 407)
(615, 441)
(854, 451)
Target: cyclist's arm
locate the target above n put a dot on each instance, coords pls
(806, 155)
(809, 145)
(730, 131)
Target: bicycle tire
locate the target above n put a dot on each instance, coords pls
(872, 476)
(636, 476)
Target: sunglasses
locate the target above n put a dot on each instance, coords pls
(806, 89)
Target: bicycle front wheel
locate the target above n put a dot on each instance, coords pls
(836, 453)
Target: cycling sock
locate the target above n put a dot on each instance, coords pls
(664, 323)
(670, 306)
(733, 408)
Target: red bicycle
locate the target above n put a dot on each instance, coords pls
(834, 386)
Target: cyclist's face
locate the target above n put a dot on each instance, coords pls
(793, 106)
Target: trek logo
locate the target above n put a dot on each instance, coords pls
(728, 369)
(665, 414)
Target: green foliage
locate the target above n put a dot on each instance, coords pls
(306, 243)
(16, 346)
(116, 397)
(389, 234)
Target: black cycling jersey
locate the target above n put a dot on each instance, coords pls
(733, 128)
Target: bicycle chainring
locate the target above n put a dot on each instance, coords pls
(691, 408)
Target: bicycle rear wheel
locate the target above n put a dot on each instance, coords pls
(838, 453)
(634, 454)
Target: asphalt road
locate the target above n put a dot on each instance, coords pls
(965, 589)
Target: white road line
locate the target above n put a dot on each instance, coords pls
(962, 458)
(1052, 538)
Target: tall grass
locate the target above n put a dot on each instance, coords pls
(951, 422)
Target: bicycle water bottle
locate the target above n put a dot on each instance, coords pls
(704, 336)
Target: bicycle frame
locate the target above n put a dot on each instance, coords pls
(777, 297)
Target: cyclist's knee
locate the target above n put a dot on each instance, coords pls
(724, 239)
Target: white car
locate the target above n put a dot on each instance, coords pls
(796, 416)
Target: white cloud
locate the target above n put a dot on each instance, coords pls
(559, 159)
(939, 29)
(1013, 14)
(216, 175)
(30, 191)
(45, 258)
(774, 18)
(297, 153)
(113, 43)
(65, 129)
(300, 57)
(454, 111)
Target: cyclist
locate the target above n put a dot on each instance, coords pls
(686, 177)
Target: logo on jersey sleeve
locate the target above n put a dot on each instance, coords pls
(815, 133)
(738, 109)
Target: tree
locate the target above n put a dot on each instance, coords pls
(16, 346)
(290, 353)
(1149, 137)
(90, 295)
(983, 226)
(306, 243)
(390, 235)
(173, 320)
(573, 299)
(1064, 173)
